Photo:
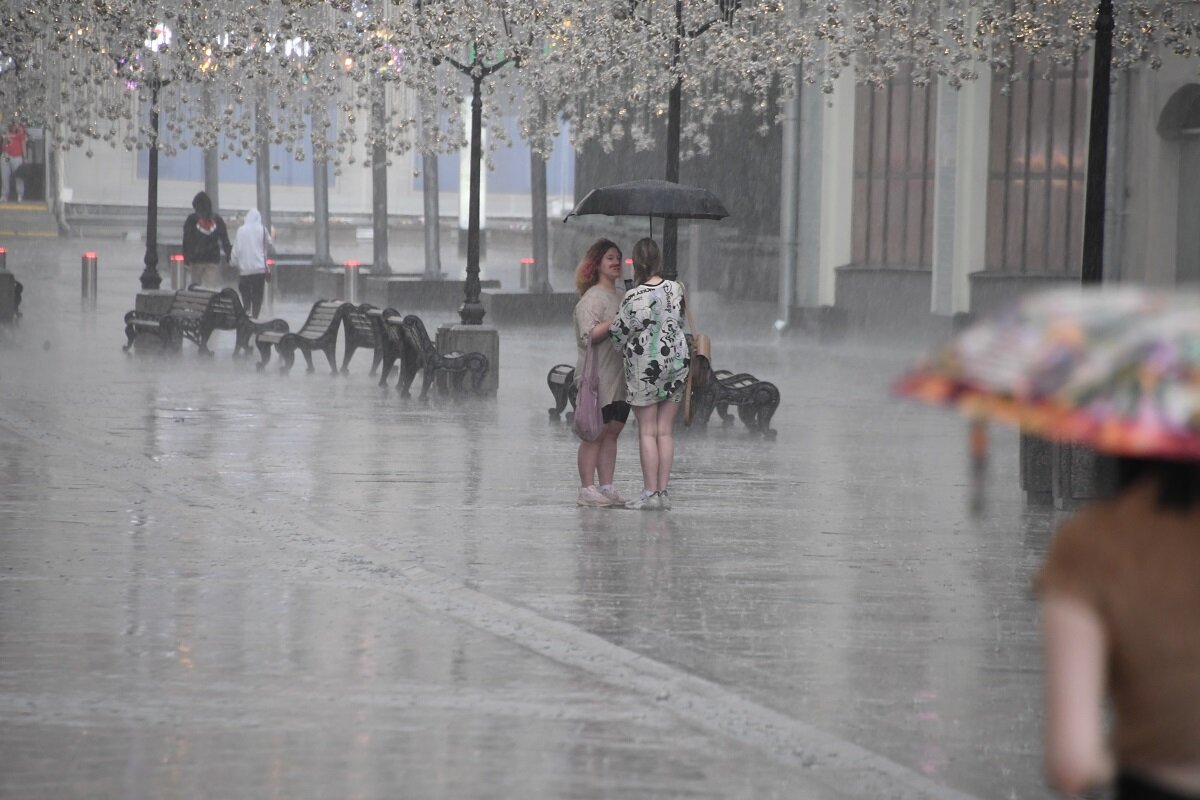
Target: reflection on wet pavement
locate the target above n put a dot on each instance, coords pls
(222, 581)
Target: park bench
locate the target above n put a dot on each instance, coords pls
(319, 332)
(191, 315)
(561, 381)
(392, 342)
(360, 330)
(755, 400)
(230, 314)
(428, 361)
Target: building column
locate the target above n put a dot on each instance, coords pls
(960, 191)
(826, 191)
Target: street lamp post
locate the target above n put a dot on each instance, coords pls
(150, 278)
(157, 44)
(1097, 166)
(670, 244)
(670, 250)
(472, 310)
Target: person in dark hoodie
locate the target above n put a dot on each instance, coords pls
(205, 241)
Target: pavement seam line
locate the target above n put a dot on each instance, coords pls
(836, 762)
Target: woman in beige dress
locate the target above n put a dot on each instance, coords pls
(596, 280)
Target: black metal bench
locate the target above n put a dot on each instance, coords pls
(229, 314)
(360, 330)
(319, 332)
(428, 361)
(561, 381)
(755, 400)
(392, 344)
(189, 316)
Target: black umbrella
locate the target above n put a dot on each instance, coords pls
(650, 198)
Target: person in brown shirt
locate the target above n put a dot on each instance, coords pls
(1120, 595)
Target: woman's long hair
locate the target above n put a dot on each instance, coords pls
(588, 271)
(647, 260)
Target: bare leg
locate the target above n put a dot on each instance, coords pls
(647, 418)
(589, 456)
(606, 464)
(666, 441)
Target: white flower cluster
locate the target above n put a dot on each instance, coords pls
(311, 74)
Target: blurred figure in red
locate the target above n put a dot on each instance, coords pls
(12, 156)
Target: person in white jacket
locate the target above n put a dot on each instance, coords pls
(250, 256)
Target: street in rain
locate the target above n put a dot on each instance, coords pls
(293, 498)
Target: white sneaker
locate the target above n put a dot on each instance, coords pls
(591, 497)
(646, 501)
(664, 500)
(614, 497)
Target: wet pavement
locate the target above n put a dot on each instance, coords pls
(220, 582)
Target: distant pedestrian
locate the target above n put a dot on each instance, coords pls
(205, 242)
(250, 248)
(599, 297)
(12, 156)
(1120, 595)
(648, 331)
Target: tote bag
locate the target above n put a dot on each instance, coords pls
(589, 421)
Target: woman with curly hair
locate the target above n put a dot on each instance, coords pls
(648, 330)
(599, 297)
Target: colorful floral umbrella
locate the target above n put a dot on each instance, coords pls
(1116, 368)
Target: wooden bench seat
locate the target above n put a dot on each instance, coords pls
(319, 332)
(426, 359)
(191, 315)
(561, 380)
(392, 344)
(755, 400)
(360, 330)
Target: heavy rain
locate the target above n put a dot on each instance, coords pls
(221, 577)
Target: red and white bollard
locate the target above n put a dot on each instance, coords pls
(89, 269)
(178, 272)
(350, 286)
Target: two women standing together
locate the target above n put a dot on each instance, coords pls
(642, 358)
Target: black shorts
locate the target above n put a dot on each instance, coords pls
(616, 411)
(1133, 787)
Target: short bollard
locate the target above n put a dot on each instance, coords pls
(350, 287)
(178, 272)
(3, 259)
(527, 267)
(269, 288)
(88, 278)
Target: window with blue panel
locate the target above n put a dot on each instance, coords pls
(188, 165)
(511, 175)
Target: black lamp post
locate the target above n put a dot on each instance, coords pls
(670, 244)
(1097, 166)
(150, 277)
(471, 312)
(674, 112)
(158, 43)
